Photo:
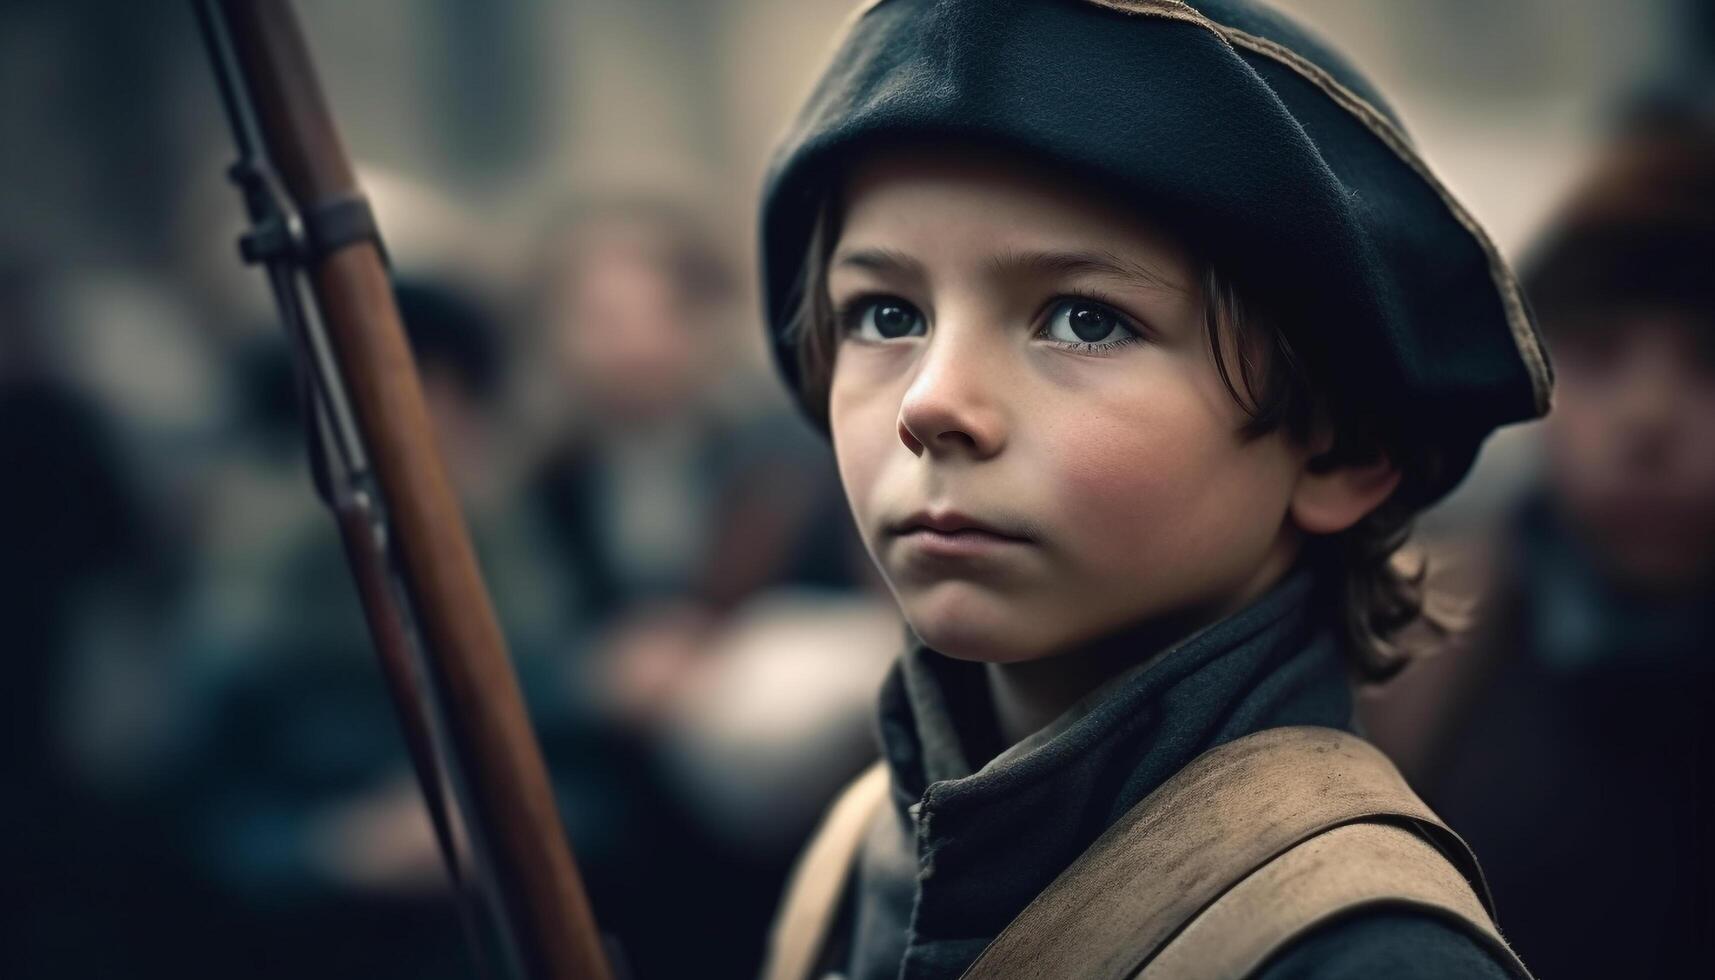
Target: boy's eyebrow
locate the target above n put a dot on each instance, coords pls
(881, 260)
(1099, 262)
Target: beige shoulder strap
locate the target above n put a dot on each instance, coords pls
(1334, 873)
(1229, 813)
(812, 897)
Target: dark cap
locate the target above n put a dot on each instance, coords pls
(1230, 124)
(1638, 230)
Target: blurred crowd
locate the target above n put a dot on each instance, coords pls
(658, 549)
(204, 775)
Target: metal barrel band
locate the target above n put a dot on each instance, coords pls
(332, 225)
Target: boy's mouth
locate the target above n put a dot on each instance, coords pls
(950, 526)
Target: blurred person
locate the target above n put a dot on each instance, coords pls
(679, 507)
(661, 490)
(80, 858)
(1571, 736)
(306, 811)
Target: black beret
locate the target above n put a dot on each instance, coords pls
(1275, 158)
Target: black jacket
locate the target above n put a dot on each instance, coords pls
(973, 836)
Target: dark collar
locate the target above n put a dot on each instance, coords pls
(990, 836)
(1583, 625)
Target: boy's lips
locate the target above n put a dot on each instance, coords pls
(951, 523)
(941, 536)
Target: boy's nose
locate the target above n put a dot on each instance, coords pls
(951, 406)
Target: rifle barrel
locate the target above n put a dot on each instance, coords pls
(496, 765)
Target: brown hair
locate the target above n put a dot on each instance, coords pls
(1373, 593)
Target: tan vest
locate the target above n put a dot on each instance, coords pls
(1253, 844)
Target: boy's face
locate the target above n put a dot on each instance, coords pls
(1033, 435)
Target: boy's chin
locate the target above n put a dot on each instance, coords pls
(967, 623)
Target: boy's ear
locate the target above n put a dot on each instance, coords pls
(1330, 499)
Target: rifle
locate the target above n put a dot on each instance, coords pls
(375, 465)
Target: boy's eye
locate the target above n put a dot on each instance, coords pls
(884, 318)
(1079, 321)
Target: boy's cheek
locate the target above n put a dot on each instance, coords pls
(1129, 471)
(1171, 493)
(861, 413)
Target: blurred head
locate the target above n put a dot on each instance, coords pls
(459, 359)
(1051, 418)
(1627, 301)
(632, 298)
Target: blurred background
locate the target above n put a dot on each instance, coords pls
(203, 775)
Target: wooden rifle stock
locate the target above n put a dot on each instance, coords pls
(460, 704)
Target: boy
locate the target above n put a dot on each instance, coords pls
(1140, 333)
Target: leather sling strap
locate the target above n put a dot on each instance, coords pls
(812, 897)
(1197, 893)
(1341, 871)
(1231, 811)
